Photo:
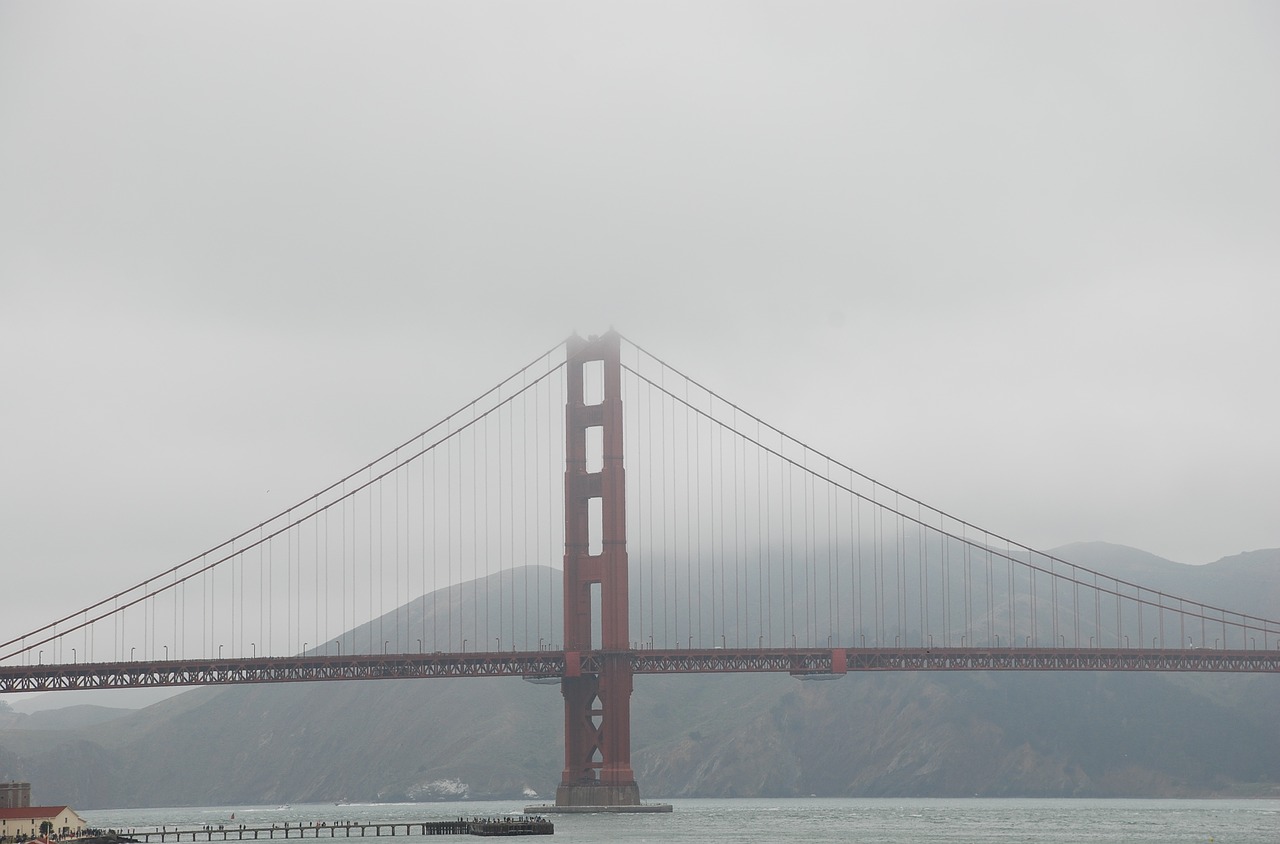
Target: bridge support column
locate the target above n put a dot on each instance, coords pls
(597, 706)
(598, 738)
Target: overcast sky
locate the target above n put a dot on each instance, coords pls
(1020, 260)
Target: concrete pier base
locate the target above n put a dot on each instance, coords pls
(593, 797)
(551, 809)
(598, 794)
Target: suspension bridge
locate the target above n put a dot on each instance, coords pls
(692, 537)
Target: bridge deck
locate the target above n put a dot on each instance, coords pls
(551, 665)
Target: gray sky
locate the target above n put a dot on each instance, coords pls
(1018, 260)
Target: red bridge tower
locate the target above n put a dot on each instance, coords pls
(597, 707)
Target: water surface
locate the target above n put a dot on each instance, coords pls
(879, 820)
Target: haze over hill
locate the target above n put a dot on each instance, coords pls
(991, 734)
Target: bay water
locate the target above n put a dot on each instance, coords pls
(878, 820)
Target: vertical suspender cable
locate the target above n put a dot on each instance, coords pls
(483, 474)
(833, 518)
(648, 463)
(514, 471)
(855, 585)
(990, 594)
(395, 571)
(760, 549)
(428, 551)
(476, 480)
(662, 440)
(768, 544)
(1008, 555)
(694, 458)
(712, 511)
(922, 587)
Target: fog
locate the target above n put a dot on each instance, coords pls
(1017, 260)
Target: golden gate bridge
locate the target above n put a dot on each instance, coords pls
(692, 536)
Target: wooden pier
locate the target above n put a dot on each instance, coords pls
(488, 827)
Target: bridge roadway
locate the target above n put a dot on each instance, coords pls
(551, 665)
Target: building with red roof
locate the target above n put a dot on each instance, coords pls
(27, 821)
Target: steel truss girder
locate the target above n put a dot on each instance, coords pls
(551, 664)
(804, 661)
(218, 672)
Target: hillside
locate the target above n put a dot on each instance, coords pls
(892, 734)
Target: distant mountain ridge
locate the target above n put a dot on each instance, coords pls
(1248, 582)
(63, 718)
(991, 734)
